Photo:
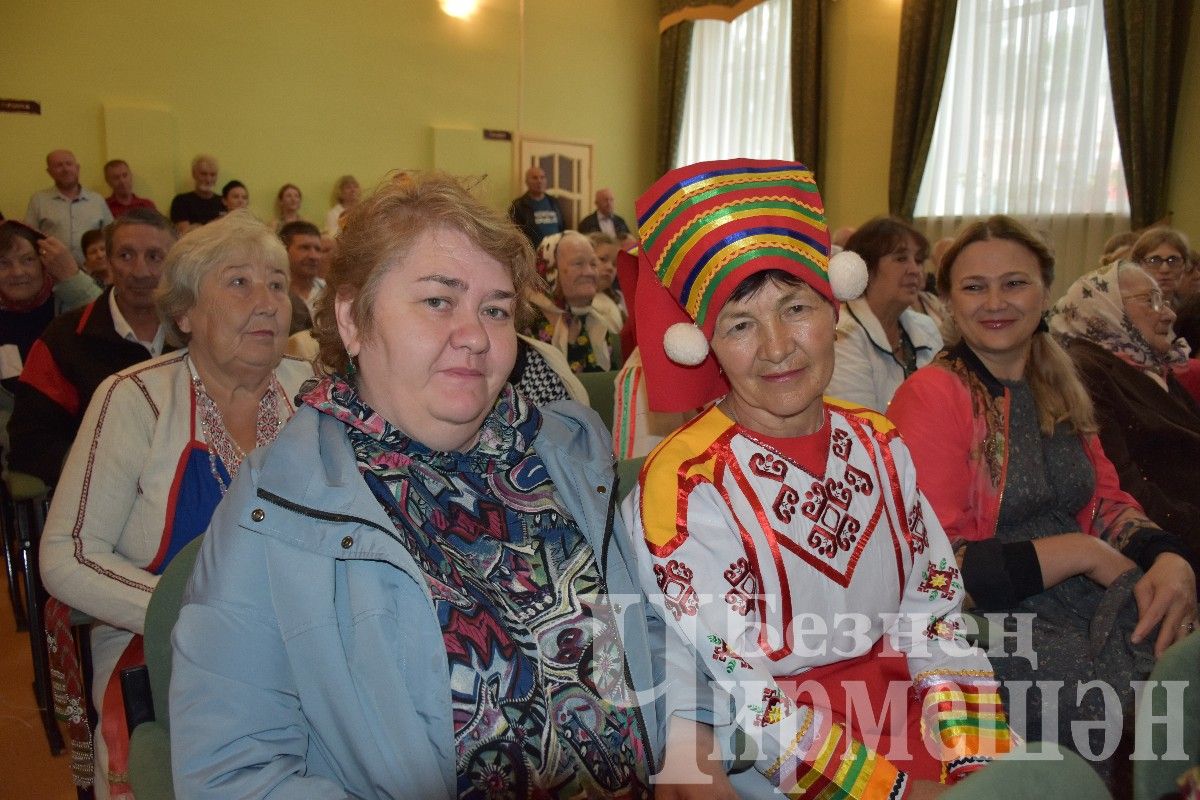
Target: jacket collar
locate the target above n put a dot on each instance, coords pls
(96, 322)
(967, 357)
(860, 310)
(333, 489)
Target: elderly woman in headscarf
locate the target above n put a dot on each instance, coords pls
(1117, 327)
(768, 520)
(424, 570)
(161, 442)
(565, 317)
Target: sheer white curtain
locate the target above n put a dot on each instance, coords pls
(738, 97)
(1026, 128)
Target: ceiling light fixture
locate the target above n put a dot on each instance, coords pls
(459, 9)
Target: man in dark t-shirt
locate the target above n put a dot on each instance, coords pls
(202, 205)
(536, 213)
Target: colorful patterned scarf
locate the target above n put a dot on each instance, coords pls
(540, 700)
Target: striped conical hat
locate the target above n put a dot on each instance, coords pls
(707, 227)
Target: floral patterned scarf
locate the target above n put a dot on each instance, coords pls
(1093, 309)
(540, 701)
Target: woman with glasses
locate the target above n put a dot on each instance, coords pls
(1163, 253)
(1117, 327)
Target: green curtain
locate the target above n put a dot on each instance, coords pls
(926, 30)
(807, 108)
(674, 54)
(1147, 42)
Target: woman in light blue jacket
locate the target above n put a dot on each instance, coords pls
(417, 590)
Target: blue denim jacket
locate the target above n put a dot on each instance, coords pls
(307, 659)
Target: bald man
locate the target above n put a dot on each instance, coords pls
(603, 219)
(66, 209)
(536, 213)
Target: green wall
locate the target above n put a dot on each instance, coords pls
(862, 43)
(305, 91)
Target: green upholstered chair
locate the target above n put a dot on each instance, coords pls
(1156, 778)
(627, 473)
(150, 742)
(1012, 777)
(601, 388)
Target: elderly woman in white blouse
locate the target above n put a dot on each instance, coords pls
(160, 444)
(880, 339)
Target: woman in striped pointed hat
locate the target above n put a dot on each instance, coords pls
(766, 524)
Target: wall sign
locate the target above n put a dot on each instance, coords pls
(20, 106)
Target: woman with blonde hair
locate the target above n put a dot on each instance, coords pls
(1003, 434)
(608, 302)
(1165, 254)
(288, 200)
(346, 192)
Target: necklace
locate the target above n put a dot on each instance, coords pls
(221, 443)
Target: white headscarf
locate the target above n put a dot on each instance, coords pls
(555, 310)
(1093, 309)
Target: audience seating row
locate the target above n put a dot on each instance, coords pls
(25, 499)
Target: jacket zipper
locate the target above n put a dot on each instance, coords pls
(328, 516)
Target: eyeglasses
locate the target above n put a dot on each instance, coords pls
(1172, 263)
(1154, 299)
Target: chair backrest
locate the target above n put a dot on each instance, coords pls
(160, 620)
(627, 473)
(601, 388)
(1152, 777)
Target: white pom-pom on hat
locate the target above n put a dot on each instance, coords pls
(685, 344)
(847, 275)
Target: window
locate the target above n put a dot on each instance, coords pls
(738, 97)
(1026, 122)
(1026, 128)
